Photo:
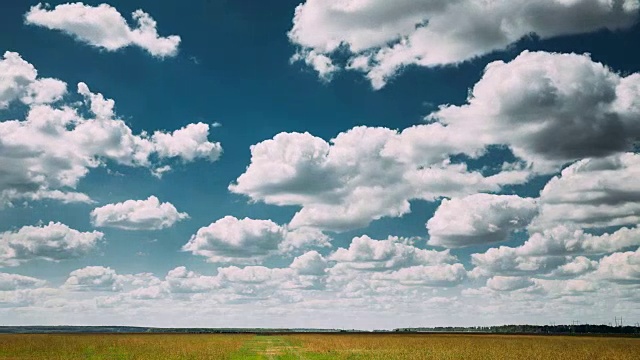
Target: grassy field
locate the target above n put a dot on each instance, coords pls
(312, 347)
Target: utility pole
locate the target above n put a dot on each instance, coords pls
(618, 321)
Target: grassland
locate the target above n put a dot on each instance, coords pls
(316, 347)
(119, 347)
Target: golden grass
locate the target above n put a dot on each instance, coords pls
(120, 346)
(461, 346)
(315, 347)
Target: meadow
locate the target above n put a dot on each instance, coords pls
(314, 346)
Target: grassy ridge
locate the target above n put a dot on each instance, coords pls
(314, 347)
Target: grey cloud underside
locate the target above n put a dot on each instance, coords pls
(593, 193)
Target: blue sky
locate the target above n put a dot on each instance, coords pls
(215, 186)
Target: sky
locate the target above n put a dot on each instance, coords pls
(321, 163)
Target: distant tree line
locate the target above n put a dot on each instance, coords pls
(532, 329)
(503, 329)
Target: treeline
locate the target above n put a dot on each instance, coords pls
(533, 329)
(151, 330)
(503, 329)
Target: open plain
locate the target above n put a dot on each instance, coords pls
(313, 346)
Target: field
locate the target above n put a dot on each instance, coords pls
(313, 346)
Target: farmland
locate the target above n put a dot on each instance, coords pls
(314, 346)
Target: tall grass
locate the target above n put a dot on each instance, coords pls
(315, 347)
(460, 346)
(120, 346)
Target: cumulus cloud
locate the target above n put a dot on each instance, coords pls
(181, 280)
(368, 254)
(550, 109)
(51, 242)
(381, 38)
(100, 278)
(10, 282)
(27, 297)
(20, 82)
(367, 263)
(189, 143)
(310, 263)
(620, 267)
(307, 271)
(508, 283)
(547, 109)
(93, 278)
(565, 289)
(147, 214)
(444, 275)
(479, 219)
(53, 148)
(360, 176)
(545, 251)
(593, 193)
(578, 266)
(248, 241)
(104, 27)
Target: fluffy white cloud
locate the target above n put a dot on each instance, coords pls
(181, 280)
(93, 278)
(9, 282)
(545, 251)
(46, 155)
(51, 242)
(188, 144)
(248, 241)
(147, 214)
(382, 37)
(620, 267)
(20, 82)
(368, 254)
(229, 239)
(550, 109)
(479, 219)
(310, 263)
(104, 27)
(578, 266)
(534, 105)
(100, 278)
(361, 175)
(593, 193)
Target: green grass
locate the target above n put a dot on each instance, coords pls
(314, 347)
